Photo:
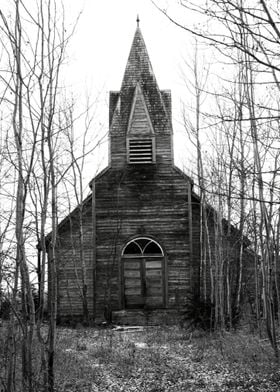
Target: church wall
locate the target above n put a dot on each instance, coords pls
(148, 202)
(155, 206)
(69, 271)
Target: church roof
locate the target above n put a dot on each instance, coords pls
(139, 75)
(138, 68)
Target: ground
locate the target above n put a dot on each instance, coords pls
(163, 359)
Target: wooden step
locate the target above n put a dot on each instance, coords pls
(145, 317)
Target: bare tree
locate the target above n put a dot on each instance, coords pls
(244, 35)
(34, 44)
(78, 149)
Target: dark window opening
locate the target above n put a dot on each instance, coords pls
(132, 249)
(142, 242)
(152, 248)
(142, 246)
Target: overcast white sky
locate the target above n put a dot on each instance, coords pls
(104, 35)
(100, 47)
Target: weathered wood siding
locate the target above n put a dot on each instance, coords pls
(151, 201)
(69, 269)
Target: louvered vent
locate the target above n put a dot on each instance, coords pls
(140, 151)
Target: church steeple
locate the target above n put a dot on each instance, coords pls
(140, 110)
(138, 68)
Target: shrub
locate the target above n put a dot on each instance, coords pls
(5, 309)
(198, 313)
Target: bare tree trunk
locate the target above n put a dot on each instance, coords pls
(27, 308)
(265, 227)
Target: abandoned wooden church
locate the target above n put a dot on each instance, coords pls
(140, 247)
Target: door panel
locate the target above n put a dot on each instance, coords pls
(133, 291)
(153, 291)
(133, 283)
(143, 282)
(153, 264)
(154, 283)
(132, 274)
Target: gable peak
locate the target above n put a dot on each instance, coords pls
(139, 120)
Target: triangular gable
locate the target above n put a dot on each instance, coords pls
(139, 120)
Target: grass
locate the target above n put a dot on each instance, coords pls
(163, 359)
(156, 359)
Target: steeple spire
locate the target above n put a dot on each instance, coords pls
(138, 68)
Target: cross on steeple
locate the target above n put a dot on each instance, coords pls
(137, 20)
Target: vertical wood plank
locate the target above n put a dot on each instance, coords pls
(190, 216)
(94, 246)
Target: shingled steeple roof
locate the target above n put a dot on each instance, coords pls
(139, 74)
(138, 68)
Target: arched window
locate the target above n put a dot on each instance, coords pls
(143, 246)
(143, 274)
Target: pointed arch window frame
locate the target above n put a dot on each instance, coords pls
(145, 141)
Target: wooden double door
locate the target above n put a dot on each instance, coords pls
(143, 276)
(143, 281)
